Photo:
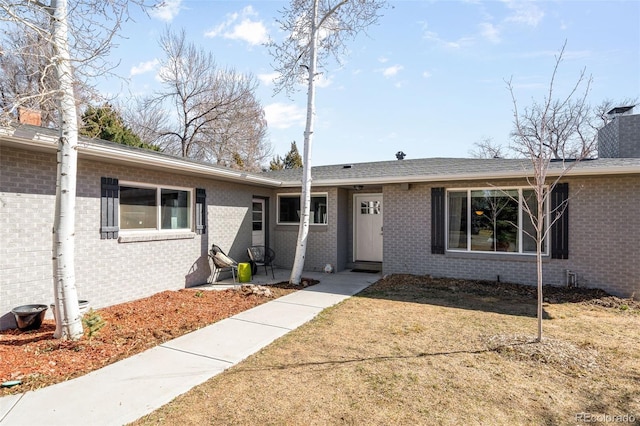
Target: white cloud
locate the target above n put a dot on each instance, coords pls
(392, 71)
(382, 59)
(460, 43)
(216, 31)
(253, 32)
(426, 74)
(490, 32)
(240, 26)
(167, 10)
(144, 67)
(267, 79)
(526, 13)
(321, 81)
(283, 116)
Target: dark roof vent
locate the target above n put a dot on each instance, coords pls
(620, 110)
(347, 166)
(400, 155)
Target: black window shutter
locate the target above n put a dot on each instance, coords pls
(560, 226)
(109, 208)
(201, 211)
(437, 220)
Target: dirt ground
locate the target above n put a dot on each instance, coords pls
(37, 359)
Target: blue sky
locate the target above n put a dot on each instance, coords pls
(428, 79)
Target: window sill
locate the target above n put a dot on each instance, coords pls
(318, 227)
(512, 257)
(155, 236)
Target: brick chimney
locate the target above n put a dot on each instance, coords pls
(620, 138)
(29, 116)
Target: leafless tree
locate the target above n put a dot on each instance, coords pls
(144, 118)
(600, 111)
(25, 56)
(239, 139)
(315, 32)
(203, 111)
(563, 128)
(553, 129)
(69, 42)
(486, 148)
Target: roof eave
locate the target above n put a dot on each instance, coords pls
(611, 170)
(92, 150)
(145, 159)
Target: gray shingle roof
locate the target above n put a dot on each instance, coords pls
(437, 169)
(381, 172)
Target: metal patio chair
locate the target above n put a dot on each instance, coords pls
(221, 262)
(262, 256)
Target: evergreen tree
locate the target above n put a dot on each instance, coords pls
(277, 163)
(105, 123)
(293, 160)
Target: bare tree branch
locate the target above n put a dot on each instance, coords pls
(315, 31)
(486, 148)
(553, 130)
(203, 111)
(69, 41)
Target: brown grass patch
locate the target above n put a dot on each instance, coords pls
(414, 350)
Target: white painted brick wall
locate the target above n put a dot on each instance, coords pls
(604, 238)
(107, 272)
(322, 242)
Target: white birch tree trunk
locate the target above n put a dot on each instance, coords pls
(68, 321)
(305, 197)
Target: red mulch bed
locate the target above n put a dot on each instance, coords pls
(37, 359)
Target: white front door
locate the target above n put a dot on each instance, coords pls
(257, 217)
(368, 227)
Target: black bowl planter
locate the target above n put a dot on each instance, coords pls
(29, 317)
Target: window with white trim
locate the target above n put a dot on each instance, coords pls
(491, 220)
(289, 209)
(144, 207)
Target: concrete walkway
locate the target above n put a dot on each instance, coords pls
(129, 389)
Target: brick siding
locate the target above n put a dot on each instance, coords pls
(322, 245)
(107, 271)
(604, 237)
(620, 138)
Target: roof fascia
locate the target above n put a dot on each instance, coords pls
(596, 171)
(88, 149)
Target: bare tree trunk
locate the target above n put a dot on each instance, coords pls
(539, 242)
(68, 322)
(305, 197)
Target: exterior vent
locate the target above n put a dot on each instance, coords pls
(347, 166)
(614, 112)
(572, 280)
